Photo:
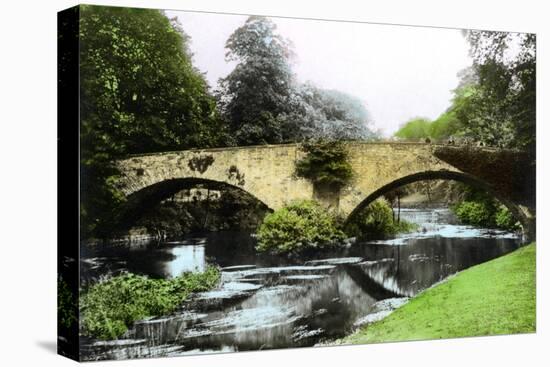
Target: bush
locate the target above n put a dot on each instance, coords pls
(300, 225)
(505, 220)
(111, 306)
(476, 213)
(66, 304)
(377, 221)
(486, 213)
(326, 164)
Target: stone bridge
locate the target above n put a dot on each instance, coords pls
(267, 173)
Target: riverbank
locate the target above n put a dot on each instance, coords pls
(496, 297)
(110, 307)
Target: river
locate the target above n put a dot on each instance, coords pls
(267, 301)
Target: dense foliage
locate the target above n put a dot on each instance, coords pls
(326, 164)
(256, 96)
(139, 92)
(377, 220)
(494, 103)
(415, 129)
(331, 114)
(477, 213)
(500, 109)
(298, 226)
(111, 306)
(419, 129)
(67, 309)
(479, 209)
(264, 103)
(485, 214)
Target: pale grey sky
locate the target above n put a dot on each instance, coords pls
(399, 72)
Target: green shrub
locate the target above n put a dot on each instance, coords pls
(300, 225)
(111, 306)
(377, 220)
(476, 213)
(325, 164)
(481, 209)
(505, 220)
(66, 304)
(485, 213)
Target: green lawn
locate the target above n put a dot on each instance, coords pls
(497, 297)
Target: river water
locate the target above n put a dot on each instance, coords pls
(267, 301)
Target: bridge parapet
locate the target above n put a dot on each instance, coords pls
(267, 171)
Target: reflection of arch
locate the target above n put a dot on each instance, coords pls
(153, 194)
(368, 284)
(442, 175)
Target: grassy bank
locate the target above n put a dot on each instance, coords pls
(497, 297)
(111, 306)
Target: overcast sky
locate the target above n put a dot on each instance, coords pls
(399, 72)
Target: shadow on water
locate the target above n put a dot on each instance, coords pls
(267, 301)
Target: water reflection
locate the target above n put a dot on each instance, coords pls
(190, 258)
(268, 301)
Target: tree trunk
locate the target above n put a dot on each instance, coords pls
(398, 208)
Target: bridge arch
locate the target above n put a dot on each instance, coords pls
(158, 191)
(444, 175)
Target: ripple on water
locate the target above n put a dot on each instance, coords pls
(248, 319)
(335, 261)
(229, 290)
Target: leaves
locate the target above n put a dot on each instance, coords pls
(376, 220)
(264, 104)
(325, 164)
(331, 114)
(415, 129)
(499, 109)
(139, 93)
(255, 95)
(111, 306)
(298, 226)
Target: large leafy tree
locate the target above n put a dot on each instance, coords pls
(139, 93)
(415, 129)
(256, 98)
(331, 114)
(497, 107)
(263, 103)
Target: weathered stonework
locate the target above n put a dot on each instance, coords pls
(267, 172)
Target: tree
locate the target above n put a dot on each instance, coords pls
(256, 97)
(395, 196)
(263, 103)
(139, 93)
(331, 114)
(415, 129)
(498, 107)
(445, 126)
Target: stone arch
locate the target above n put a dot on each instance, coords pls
(158, 191)
(468, 179)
